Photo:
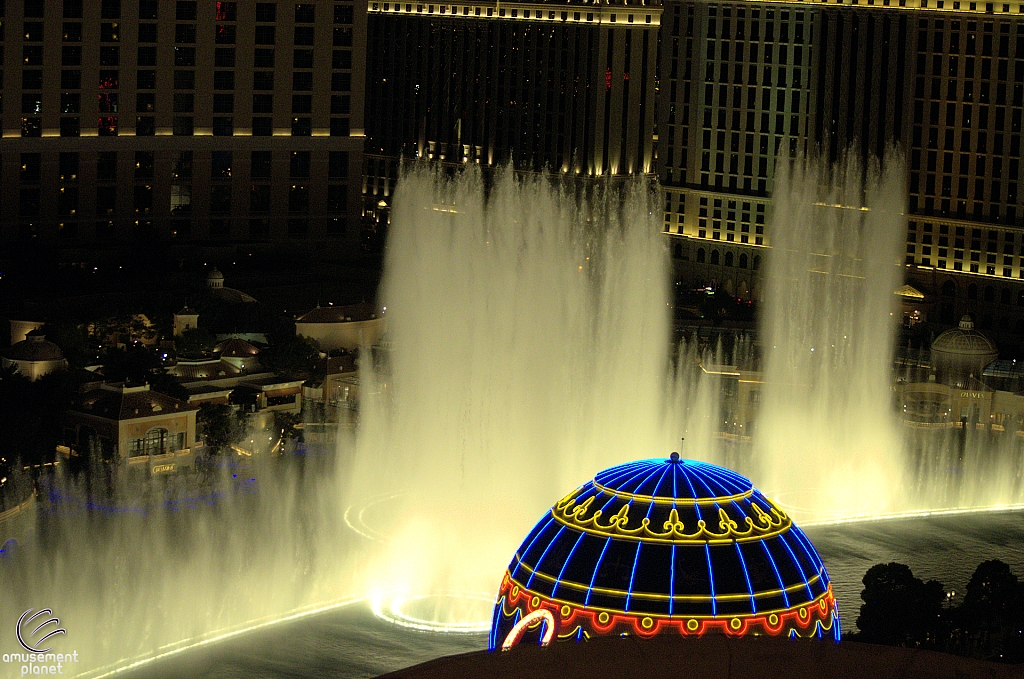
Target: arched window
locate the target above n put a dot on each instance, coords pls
(757, 262)
(1004, 296)
(677, 252)
(728, 259)
(700, 258)
(948, 289)
(990, 293)
(155, 442)
(972, 291)
(714, 256)
(743, 261)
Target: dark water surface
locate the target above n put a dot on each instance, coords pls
(352, 642)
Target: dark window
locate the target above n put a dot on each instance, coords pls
(110, 55)
(223, 103)
(297, 227)
(302, 127)
(223, 80)
(337, 198)
(146, 80)
(259, 198)
(185, 33)
(181, 167)
(110, 9)
(223, 126)
(143, 164)
(72, 31)
(220, 198)
(220, 164)
(183, 126)
(185, 10)
(341, 103)
(71, 80)
(110, 32)
(147, 56)
(299, 166)
(339, 127)
(264, 58)
(264, 35)
(145, 126)
(34, 9)
(184, 80)
(303, 35)
(224, 57)
(70, 102)
(148, 9)
(305, 13)
(262, 127)
(302, 103)
(266, 11)
(341, 82)
(71, 55)
(225, 34)
(147, 32)
(67, 166)
(298, 199)
(342, 59)
(32, 80)
(29, 203)
(342, 37)
(263, 80)
(184, 56)
(337, 165)
(260, 165)
(33, 31)
(263, 103)
(32, 55)
(343, 14)
(106, 166)
(31, 165)
(72, 9)
(300, 59)
(145, 102)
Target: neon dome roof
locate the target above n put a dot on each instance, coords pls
(664, 545)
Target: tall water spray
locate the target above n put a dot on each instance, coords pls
(827, 441)
(528, 334)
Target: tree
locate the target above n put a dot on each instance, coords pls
(196, 341)
(79, 349)
(295, 354)
(219, 425)
(899, 609)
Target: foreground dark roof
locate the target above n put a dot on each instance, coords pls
(711, 657)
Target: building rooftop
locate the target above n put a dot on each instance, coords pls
(34, 348)
(339, 314)
(965, 341)
(235, 348)
(115, 402)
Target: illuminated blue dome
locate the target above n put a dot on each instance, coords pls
(665, 544)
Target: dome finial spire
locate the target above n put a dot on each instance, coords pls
(674, 457)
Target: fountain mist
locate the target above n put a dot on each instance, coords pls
(827, 440)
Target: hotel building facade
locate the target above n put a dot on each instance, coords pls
(943, 80)
(181, 122)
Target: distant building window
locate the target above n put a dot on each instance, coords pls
(265, 35)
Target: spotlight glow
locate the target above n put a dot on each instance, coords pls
(396, 609)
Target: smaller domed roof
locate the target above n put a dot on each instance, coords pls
(965, 341)
(34, 348)
(235, 348)
(215, 274)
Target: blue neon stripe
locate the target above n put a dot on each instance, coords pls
(799, 566)
(597, 566)
(632, 576)
(518, 559)
(672, 581)
(711, 575)
(746, 574)
(731, 482)
(778, 576)
(565, 565)
(540, 561)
